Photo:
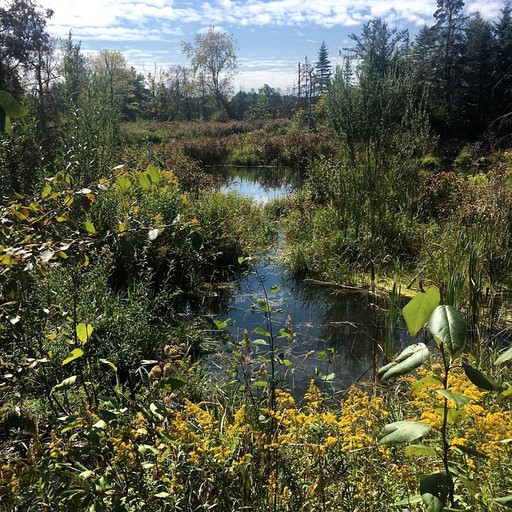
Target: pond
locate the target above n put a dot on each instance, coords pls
(339, 333)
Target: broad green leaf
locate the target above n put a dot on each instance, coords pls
(456, 399)
(260, 383)
(434, 490)
(89, 226)
(144, 181)
(275, 289)
(480, 380)
(46, 191)
(124, 184)
(260, 342)
(84, 331)
(158, 410)
(143, 448)
(403, 432)
(170, 384)
(260, 330)
(429, 380)
(65, 384)
(263, 305)
(504, 357)
(418, 310)
(418, 450)
(506, 501)
(75, 354)
(410, 358)
(153, 174)
(11, 107)
(109, 363)
(409, 500)
(449, 328)
(453, 416)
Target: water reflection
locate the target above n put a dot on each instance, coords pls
(259, 183)
(337, 331)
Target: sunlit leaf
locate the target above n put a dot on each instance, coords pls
(144, 181)
(409, 359)
(153, 174)
(429, 380)
(220, 324)
(124, 184)
(403, 432)
(418, 310)
(47, 255)
(263, 305)
(453, 416)
(506, 501)
(480, 380)
(47, 190)
(84, 331)
(75, 354)
(89, 226)
(66, 384)
(109, 363)
(275, 289)
(449, 328)
(504, 357)
(456, 399)
(261, 331)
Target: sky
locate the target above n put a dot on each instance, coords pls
(271, 36)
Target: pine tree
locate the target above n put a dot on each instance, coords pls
(323, 70)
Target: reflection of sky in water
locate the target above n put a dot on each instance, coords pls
(254, 189)
(323, 318)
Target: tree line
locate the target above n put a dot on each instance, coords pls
(461, 67)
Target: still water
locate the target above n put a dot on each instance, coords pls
(339, 333)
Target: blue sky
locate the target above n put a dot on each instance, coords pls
(272, 35)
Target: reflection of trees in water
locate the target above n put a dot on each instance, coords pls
(269, 178)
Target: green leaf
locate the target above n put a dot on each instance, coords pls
(449, 328)
(109, 363)
(170, 384)
(75, 354)
(480, 380)
(403, 432)
(11, 107)
(418, 450)
(425, 382)
(410, 358)
(504, 357)
(84, 331)
(275, 288)
(196, 240)
(263, 305)
(153, 173)
(220, 324)
(418, 310)
(468, 450)
(89, 226)
(261, 331)
(124, 184)
(260, 384)
(65, 384)
(434, 490)
(456, 399)
(409, 500)
(46, 191)
(162, 495)
(453, 416)
(506, 501)
(145, 181)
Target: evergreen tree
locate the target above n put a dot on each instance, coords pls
(323, 70)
